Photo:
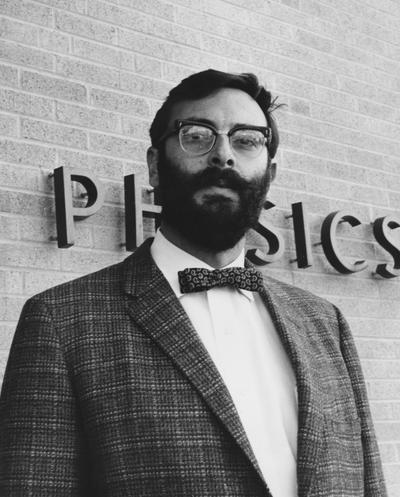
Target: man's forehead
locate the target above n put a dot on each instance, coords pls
(227, 106)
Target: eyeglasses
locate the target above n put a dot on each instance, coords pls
(198, 138)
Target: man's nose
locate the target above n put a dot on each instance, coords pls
(222, 154)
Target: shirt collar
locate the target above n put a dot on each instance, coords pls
(170, 259)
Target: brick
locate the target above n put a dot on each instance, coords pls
(72, 5)
(8, 75)
(140, 85)
(379, 349)
(384, 180)
(26, 204)
(118, 147)
(53, 87)
(382, 328)
(119, 16)
(25, 104)
(391, 473)
(27, 11)
(388, 453)
(12, 175)
(87, 261)
(83, 27)
(201, 20)
(154, 7)
(337, 116)
(227, 48)
(384, 370)
(26, 153)
(127, 60)
(317, 9)
(290, 179)
(324, 149)
(378, 111)
(174, 72)
(284, 29)
(18, 31)
(353, 54)
(346, 172)
(149, 45)
(10, 308)
(9, 227)
(108, 215)
(97, 52)
(141, 170)
(40, 230)
(6, 336)
(86, 72)
(25, 56)
(362, 157)
(120, 102)
(38, 281)
(328, 187)
(114, 192)
(41, 256)
(303, 163)
(97, 164)
(386, 390)
(335, 98)
(11, 282)
(8, 125)
(53, 41)
(295, 69)
(108, 238)
(332, 285)
(53, 133)
(86, 117)
(168, 31)
(292, 3)
(299, 106)
(394, 199)
(314, 41)
(135, 128)
(144, 65)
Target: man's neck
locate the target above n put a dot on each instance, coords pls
(215, 259)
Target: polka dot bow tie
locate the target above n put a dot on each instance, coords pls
(199, 279)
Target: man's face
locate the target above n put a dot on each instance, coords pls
(213, 199)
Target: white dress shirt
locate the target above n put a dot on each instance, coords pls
(241, 339)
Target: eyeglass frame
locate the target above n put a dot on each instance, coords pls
(179, 123)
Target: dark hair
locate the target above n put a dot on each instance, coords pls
(202, 84)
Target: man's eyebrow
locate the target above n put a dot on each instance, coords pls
(204, 120)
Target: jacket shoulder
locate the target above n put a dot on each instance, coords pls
(104, 281)
(299, 298)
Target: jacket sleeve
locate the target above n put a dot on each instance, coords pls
(374, 484)
(41, 449)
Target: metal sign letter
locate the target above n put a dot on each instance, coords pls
(65, 211)
(330, 246)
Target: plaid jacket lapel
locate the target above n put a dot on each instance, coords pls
(154, 307)
(298, 344)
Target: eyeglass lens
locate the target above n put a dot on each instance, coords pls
(197, 140)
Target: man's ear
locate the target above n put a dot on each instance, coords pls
(272, 171)
(152, 163)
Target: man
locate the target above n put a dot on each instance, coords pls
(155, 377)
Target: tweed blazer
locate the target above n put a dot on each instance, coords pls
(109, 392)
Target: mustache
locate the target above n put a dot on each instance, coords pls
(215, 176)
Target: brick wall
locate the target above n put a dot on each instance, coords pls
(81, 79)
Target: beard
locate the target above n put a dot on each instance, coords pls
(216, 223)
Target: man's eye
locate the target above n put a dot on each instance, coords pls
(247, 140)
(196, 134)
